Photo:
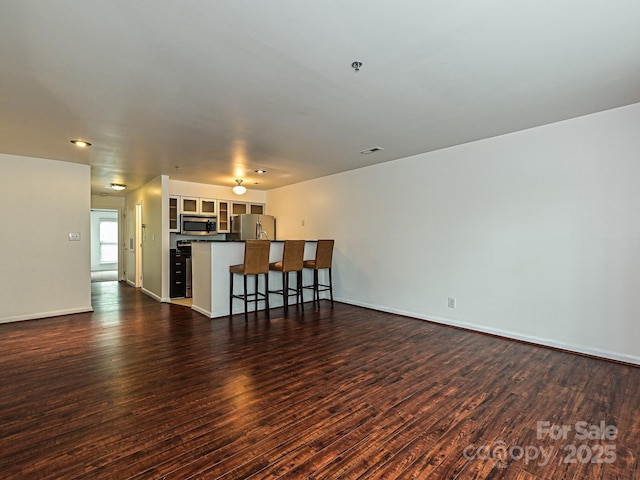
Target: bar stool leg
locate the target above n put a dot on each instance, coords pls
(331, 286)
(299, 295)
(255, 299)
(316, 291)
(285, 291)
(246, 302)
(266, 295)
(230, 295)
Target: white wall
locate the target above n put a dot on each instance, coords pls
(43, 273)
(154, 199)
(535, 233)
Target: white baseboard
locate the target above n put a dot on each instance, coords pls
(151, 294)
(581, 349)
(202, 311)
(55, 313)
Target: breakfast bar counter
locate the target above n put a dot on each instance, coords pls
(210, 275)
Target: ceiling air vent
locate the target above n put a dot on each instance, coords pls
(371, 150)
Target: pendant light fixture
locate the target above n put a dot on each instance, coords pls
(239, 189)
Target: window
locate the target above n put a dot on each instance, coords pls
(108, 241)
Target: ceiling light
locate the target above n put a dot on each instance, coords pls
(260, 171)
(239, 189)
(118, 186)
(80, 143)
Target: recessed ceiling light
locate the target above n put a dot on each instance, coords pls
(371, 150)
(80, 143)
(260, 171)
(118, 186)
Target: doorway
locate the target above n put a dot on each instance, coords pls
(104, 245)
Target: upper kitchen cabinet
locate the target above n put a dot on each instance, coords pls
(224, 226)
(256, 208)
(240, 208)
(189, 205)
(208, 206)
(174, 213)
(198, 206)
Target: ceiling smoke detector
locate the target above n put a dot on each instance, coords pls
(371, 150)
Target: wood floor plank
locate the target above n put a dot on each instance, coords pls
(140, 389)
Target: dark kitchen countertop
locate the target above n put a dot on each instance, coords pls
(273, 241)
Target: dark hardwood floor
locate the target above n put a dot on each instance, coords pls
(139, 389)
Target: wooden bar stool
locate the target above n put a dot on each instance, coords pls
(256, 262)
(292, 258)
(323, 260)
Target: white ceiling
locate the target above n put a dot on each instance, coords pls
(221, 88)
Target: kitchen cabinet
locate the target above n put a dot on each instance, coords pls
(189, 205)
(198, 206)
(174, 213)
(177, 275)
(208, 206)
(224, 225)
(256, 208)
(240, 208)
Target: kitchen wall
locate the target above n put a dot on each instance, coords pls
(536, 234)
(193, 189)
(154, 200)
(43, 273)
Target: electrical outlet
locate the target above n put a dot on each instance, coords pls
(451, 302)
(74, 236)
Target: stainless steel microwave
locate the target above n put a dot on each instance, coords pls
(198, 224)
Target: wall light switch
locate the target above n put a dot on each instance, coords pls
(74, 236)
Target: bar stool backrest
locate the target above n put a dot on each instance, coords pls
(293, 255)
(256, 256)
(324, 254)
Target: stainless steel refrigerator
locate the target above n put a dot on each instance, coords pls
(252, 226)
